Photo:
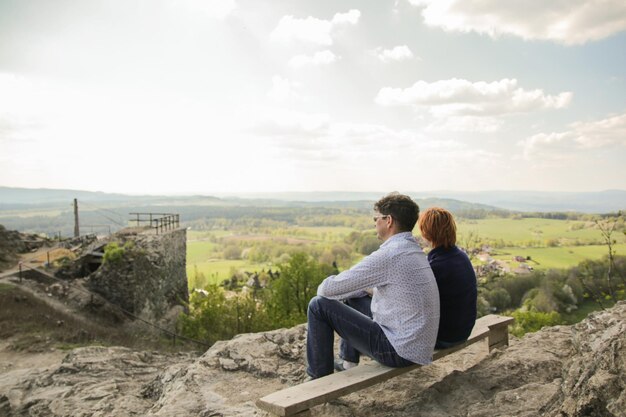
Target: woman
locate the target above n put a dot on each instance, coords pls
(455, 277)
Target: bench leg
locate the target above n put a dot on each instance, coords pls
(498, 337)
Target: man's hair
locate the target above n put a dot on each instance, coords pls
(401, 208)
(438, 227)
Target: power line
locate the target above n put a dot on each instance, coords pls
(105, 216)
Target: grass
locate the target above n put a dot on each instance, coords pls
(556, 257)
(31, 325)
(200, 251)
(583, 310)
(521, 231)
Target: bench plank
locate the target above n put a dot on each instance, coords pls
(293, 400)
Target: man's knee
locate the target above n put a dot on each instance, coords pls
(314, 303)
(317, 304)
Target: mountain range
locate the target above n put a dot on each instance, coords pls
(586, 202)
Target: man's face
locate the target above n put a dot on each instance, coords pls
(381, 224)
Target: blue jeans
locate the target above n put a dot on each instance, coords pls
(360, 334)
(445, 345)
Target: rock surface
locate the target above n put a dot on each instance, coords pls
(560, 371)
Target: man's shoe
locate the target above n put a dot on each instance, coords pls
(338, 365)
(343, 365)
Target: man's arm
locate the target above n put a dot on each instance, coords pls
(368, 273)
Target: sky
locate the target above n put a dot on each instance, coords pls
(227, 96)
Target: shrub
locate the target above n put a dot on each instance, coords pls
(499, 298)
(216, 315)
(232, 252)
(528, 321)
(113, 253)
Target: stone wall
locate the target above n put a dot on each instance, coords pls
(149, 278)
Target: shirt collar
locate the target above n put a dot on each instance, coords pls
(399, 236)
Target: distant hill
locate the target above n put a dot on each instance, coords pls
(50, 211)
(543, 201)
(19, 197)
(39, 196)
(584, 202)
(16, 198)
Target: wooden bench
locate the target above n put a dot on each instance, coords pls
(297, 400)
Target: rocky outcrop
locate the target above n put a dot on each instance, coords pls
(148, 278)
(13, 243)
(560, 371)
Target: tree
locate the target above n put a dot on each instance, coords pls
(607, 227)
(499, 298)
(597, 280)
(216, 315)
(232, 252)
(470, 242)
(540, 299)
(367, 243)
(289, 295)
(207, 310)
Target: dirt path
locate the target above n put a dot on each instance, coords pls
(10, 360)
(37, 259)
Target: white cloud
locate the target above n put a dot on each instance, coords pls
(568, 22)
(397, 53)
(319, 58)
(312, 30)
(370, 136)
(457, 97)
(351, 17)
(283, 90)
(582, 136)
(310, 137)
(465, 124)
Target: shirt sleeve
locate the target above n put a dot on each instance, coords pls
(369, 273)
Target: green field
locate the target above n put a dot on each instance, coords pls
(549, 243)
(556, 257)
(523, 231)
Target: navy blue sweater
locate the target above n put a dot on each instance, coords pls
(457, 293)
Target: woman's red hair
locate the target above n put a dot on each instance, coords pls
(438, 227)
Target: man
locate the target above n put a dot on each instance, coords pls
(398, 325)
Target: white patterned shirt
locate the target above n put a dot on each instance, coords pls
(405, 300)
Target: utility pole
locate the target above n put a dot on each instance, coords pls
(76, 230)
